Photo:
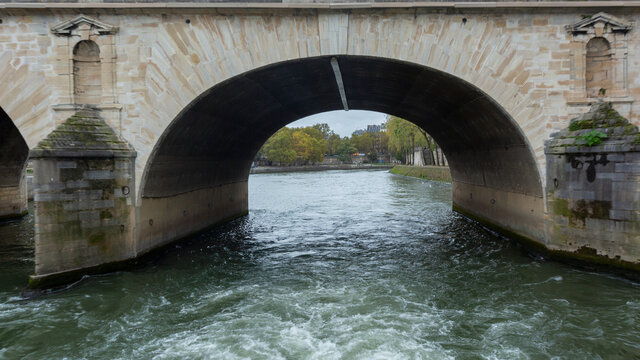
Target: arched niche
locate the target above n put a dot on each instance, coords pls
(598, 60)
(87, 74)
(599, 67)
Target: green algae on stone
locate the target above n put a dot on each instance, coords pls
(83, 131)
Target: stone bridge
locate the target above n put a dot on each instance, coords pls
(142, 119)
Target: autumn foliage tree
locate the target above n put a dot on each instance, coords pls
(309, 145)
(295, 146)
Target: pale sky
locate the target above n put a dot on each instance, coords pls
(343, 122)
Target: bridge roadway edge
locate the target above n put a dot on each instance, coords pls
(321, 5)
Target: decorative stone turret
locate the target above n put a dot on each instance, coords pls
(84, 199)
(593, 192)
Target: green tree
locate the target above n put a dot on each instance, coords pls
(313, 132)
(309, 145)
(324, 129)
(302, 145)
(364, 143)
(333, 143)
(345, 150)
(279, 147)
(403, 137)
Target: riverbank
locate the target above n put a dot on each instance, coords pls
(437, 173)
(280, 169)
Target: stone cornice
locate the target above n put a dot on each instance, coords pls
(67, 27)
(613, 22)
(335, 5)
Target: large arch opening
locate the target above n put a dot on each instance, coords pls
(197, 174)
(14, 153)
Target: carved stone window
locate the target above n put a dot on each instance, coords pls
(599, 59)
(87, 75)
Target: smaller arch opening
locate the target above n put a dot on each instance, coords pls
(87, 75)
(599, 66)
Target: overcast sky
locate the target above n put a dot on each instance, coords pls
(343, 122)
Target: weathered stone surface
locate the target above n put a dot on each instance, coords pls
(84, 197)
(83, 134)
(181, 83)
(522, 60)
(593, 193)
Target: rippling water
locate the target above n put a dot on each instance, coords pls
(328, 265)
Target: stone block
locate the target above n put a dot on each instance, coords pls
(620, 214)
(99, 175)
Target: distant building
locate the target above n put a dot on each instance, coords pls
(371, 129)
(376, 128)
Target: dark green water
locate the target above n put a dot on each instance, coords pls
(328, 265)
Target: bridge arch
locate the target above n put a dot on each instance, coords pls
(14, 153)
(197, 172)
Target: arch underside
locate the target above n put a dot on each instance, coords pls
(13, 160)
(213, 141)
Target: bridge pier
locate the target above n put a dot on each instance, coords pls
(169, 218)
(593, 193)
(84, 201)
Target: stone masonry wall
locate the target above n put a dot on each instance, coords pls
(13, 200)
(522, 58)
(593, 192)
(84, 212)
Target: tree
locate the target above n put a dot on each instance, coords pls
(313, 132)
(324, 129)
(364, 142)
(333, 143)
(318, 148)
(279, 147)
(403, 137)
(345, 150)
(302, 145)
(307, 147)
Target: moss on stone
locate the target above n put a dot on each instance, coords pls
(106, 214)
(560, 207)
(84, 130)
(601, 117)
(95, 239)
(577, 212)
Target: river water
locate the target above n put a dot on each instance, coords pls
(327, 265)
